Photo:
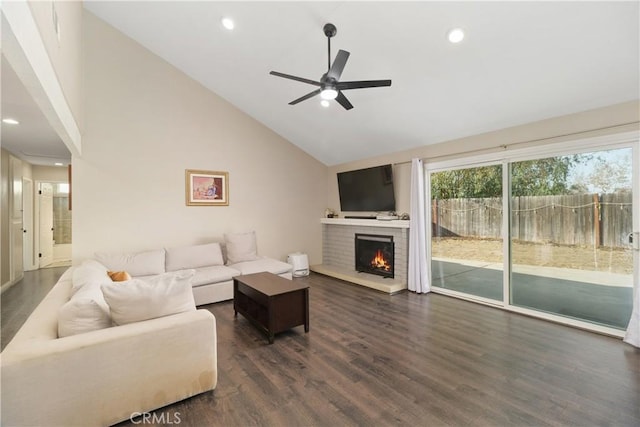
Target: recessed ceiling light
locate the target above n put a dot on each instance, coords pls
(456, 35)
(324, 103)
(10, 121)
(228, 23)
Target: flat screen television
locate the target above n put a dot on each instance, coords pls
(366, 190)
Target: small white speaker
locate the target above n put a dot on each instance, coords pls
(300, 264)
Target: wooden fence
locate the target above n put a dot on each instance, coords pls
(583, 219)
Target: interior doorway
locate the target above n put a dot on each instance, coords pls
(54, 223)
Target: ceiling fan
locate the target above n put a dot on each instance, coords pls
(330, 86)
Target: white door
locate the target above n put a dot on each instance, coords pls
(45, 198)
(27, 224)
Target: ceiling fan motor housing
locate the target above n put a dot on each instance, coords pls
(328, 82)
(330, 30)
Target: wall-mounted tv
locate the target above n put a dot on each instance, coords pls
(366, 190)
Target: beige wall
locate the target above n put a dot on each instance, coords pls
(50, 173)
(5, 225)
(609, 120)
(145, 123)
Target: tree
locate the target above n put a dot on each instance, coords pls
(483, 181)
(540, 177)
(611, 174)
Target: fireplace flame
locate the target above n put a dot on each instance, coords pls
(379, 262)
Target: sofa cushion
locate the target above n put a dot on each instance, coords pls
(86, 311)
(214, 274)
(136, 264)
(195, 256)
(137, 300)
(262, 264)
(241, 247)
(90, 271)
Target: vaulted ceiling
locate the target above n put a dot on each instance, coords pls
(519, 62)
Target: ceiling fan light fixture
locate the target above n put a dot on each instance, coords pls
(330, 87)
(228, 23)
(455, 35)
(329, 93)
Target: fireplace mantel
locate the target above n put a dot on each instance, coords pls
(338, 251)
(396, 223)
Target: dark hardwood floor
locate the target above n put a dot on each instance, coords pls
(372, 359)
(17, 302)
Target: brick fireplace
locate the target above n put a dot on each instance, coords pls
(338, 251)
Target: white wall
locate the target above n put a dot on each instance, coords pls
(145, 123)
(63, 51)
(608, 120)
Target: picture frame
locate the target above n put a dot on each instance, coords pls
(206, 188)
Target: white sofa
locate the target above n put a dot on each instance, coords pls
(215, 268)
(104, 376)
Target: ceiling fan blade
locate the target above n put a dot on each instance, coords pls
(307, 96)
(338, 64)
(298, 79)
(342, 100)
(362, 84)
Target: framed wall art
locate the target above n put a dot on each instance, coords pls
(207, 188)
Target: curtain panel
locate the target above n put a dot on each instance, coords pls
(419, 279)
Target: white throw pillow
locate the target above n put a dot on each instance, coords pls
(136, 264)
(241, 247)
(195, 256)
(137, 299)
(86, 311)
(90, 271)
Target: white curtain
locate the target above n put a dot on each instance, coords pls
(419, 271)
(633, 330)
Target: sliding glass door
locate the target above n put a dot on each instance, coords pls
(543, 235)
(570, 221)
(466, 238)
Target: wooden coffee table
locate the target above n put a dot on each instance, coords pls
(272, 303)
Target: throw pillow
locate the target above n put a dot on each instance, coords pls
(158, 296)
(90, 271)
(241, 247)
(119, 276)
(86, 311)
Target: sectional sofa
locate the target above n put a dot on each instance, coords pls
(96, 352)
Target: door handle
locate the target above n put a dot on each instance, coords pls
(634, 240)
